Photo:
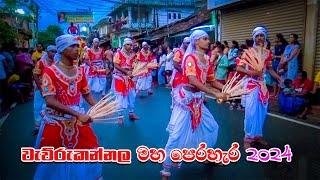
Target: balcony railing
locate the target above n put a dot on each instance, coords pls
(160, 2)
(142, 25)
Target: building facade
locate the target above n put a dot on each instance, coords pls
(237, 18)
(21, 16)
(132, 17)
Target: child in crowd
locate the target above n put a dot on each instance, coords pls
(282, 71)
(288, 87)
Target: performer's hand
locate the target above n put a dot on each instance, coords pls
(129, 73)
(222, 97)
(83, 118)
(108, 71)
(255, 73)
(280, 80)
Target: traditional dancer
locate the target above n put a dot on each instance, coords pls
(122, 84)
(144, 81)
(66, 124)
(177, 60)
(97, 72)
(256, 102)
(38, 104)
(177, 77)
(191, 122)
(108, 54)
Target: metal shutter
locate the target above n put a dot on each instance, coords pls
(283, 16)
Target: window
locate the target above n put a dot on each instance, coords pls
(179, 16)
(174, 16)
(169, 15)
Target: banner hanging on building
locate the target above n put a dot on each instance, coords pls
(75, 17)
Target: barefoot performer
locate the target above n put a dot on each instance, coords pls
(39, 104)
(122, 84)
(66, 124)
(191, 122)
(259, 60)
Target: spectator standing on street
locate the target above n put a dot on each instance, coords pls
(212, 47)
(280, 45)
(24, 66)
(222, 65)
(169, 65)
(3, 80)
(162, 65)
(9, 58)
(233, 52)
(290, 57)
(36, 56)
(39, 103)
(226, 47)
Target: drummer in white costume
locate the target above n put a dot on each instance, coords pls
(256, 102)
(177, 77)
(97, 72)
(122, 84)
(144, 81)
(191, 122)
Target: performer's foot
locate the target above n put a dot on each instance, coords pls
(246, 145)
(247, 142)
(150, 93)
(133, 117)
(261, 141)
(165, 174)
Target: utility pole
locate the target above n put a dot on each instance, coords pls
(139, 17)
(167, 17)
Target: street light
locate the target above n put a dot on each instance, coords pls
(84, 28)
(20, 11)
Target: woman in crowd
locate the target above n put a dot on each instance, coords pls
(290, 57)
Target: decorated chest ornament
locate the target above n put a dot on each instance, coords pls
(72, 87)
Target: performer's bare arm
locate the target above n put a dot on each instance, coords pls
(273, 73)
(216, 84)
(249, 72)
(37, 80)
(195, 82)
(88, 97)
(53, 103)
(295, 52)
(177, 66)
(125, 71)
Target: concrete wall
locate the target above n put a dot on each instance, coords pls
(161, 16)
(310, 36)
(164, 17)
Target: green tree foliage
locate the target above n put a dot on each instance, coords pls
(7, 33)
(48, 36)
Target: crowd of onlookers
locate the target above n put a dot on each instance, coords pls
(295, 94)
(16, 66)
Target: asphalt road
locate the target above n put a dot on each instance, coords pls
(154, 112)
